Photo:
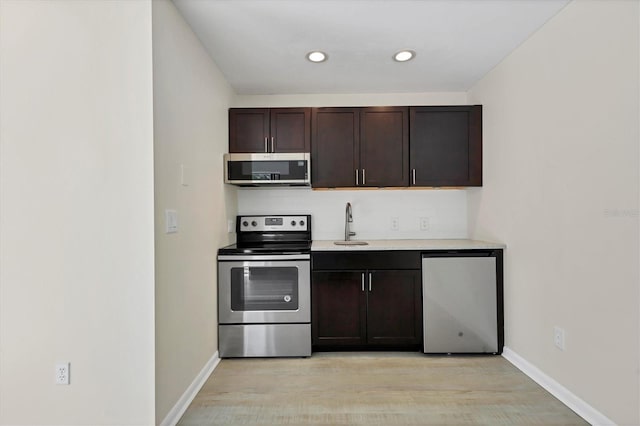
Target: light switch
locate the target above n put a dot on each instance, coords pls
(184, 175)
(171, 221)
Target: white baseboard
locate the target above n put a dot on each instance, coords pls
(173, 416)
(565, 396)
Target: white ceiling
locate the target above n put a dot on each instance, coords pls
(260, 45)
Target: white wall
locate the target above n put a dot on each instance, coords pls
(191, 99)
(561, 131)
(372, 209)
(76, 212)
(354, 99)
(446, 211)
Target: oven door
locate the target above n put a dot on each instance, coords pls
(264, 291)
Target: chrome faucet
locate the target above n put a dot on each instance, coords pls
(348, 218)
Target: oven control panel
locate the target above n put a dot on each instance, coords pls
(273, 223)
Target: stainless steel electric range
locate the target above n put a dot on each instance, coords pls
(264, 288)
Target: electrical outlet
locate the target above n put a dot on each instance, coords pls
(424, 223)
(62, 373)
(558, 337)
(395, 223)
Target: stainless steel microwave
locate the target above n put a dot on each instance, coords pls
(266, 169)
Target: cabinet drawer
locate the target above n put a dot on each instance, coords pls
(337, 260)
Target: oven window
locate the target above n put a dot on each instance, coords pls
(264, 289)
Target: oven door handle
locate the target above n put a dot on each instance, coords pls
(300, 256)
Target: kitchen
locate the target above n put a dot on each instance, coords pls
(275, 255)
(560, 190)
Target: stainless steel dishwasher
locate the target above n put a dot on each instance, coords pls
(460, 302)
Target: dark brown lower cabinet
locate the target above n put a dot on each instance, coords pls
(394, 308)
(360, 308)
(339, 308)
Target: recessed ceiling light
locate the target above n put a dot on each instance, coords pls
(317, 56)
(404, 55)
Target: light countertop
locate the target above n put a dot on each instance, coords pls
(446, 244)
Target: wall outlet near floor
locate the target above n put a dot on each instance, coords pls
(424, 223)
(558, 337)
(62, 373)
(395, 223)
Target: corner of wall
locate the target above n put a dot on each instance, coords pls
(191, 101)
(561, 189)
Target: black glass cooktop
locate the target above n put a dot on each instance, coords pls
(267, 248)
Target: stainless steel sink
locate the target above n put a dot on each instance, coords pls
(351, 243)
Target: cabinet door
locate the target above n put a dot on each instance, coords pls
(394, 315)
(446, 146)
(384, 146)
(290, 130)
(248, 130)
(335, 150)
(338, 308)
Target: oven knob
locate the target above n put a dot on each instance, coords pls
(287, 298)
(302, 223)
(293, 223)
(254, 223)
(245, 223)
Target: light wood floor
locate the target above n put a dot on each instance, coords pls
(371, 388)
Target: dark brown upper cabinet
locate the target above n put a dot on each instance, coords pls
(384, 146)
(269, 130)
(446, 146)
(360, 147)
(335, 156)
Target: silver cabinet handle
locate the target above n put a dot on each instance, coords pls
(357, 183)
(364, 181)
(413, 172)
(369, 281)
(266, 144)
(363, 281)
(273, 144)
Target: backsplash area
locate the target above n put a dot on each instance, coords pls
(419, 214)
